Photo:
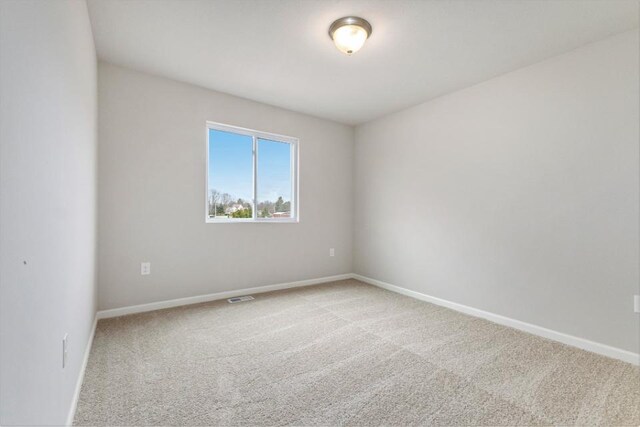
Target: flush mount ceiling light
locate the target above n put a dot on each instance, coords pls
(349, 33)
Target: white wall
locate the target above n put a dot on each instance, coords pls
(47, 205)
(151, 195)
(517, 196)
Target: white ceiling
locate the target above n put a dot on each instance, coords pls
(278, 51)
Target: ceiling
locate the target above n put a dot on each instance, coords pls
(278, 51)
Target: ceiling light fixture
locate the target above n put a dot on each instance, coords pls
(349, 33)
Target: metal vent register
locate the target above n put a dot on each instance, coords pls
(240, 299)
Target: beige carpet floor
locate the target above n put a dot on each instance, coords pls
(343, 353)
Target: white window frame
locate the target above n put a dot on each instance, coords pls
(255, 135)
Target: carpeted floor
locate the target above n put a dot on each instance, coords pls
(343, 353)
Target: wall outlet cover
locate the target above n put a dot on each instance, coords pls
(65, 350)
(145, 268)
(636, 303)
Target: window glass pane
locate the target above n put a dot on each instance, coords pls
(230, 175)
(274, 179)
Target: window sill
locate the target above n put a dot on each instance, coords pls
(251, 220)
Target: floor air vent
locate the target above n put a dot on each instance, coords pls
(240, 299)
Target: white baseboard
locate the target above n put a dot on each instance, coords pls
(132, 309)
(584, 344)
(83, 367)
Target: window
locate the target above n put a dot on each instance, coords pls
(251, 176)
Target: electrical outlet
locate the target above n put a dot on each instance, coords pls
(332, 252)
(636, 303)
(145, 268)
(65, 349)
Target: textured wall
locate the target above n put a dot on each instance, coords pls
(518, 196)
(48, 113)
(152, 194)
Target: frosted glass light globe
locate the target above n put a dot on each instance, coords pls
(350, 38)
(349, 34)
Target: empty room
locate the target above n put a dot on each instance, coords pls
(319, 212)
